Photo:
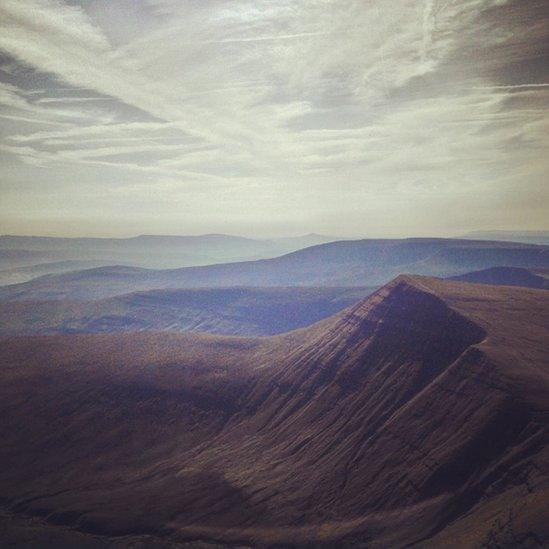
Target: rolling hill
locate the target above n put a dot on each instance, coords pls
(19, 275)
(229, 311)
(508, 276)
(16, 259)
(415, 418)
(344, 263)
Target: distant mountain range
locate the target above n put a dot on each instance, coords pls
(344, 263)
(150, 251)
(229, 311)
(415, 418)
(528, 237)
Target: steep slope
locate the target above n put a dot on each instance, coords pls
(229, 311)
(415, 417)
(394, 411)
(508, 276)
(345, 263)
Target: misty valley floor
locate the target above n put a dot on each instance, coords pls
(417, 417)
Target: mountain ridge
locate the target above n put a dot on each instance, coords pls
(508, 276)
(532, 237)
(343, 263)
(417, 409)
(229, 311)
(151, 251)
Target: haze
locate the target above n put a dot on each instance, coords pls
(353, 118)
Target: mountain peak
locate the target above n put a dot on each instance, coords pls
(421, 405)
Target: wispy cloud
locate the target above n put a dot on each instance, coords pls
(284, 105)
(513, 86)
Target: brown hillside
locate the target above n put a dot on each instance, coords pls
(416, 417)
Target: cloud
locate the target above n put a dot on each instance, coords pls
(321, 99)
(71, 99)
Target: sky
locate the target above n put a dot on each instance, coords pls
(352, 118)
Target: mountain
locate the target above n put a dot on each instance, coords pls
(508, 276)
(19, 275)
(153, 251)
(14, 259)
(415, 418)
(148, 251)
(343, 263)
(230, 311)
(293, 243)
(528, 237)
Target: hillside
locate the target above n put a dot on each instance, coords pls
(508, 276)
(344, 263)
(229, 311)
(416, 417)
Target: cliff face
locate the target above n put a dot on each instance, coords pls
(414, 417)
